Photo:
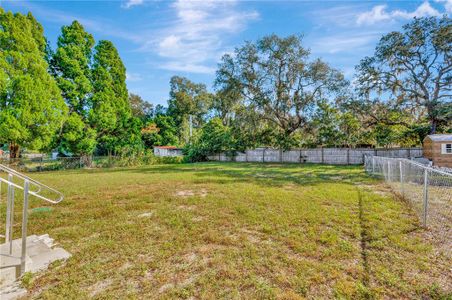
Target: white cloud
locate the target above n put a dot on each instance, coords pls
(377, 14)
(447, 5)
(196, 39)
(131, 3)
(380, 14)
(133, 77)
(424, 10)
(102, 26)
(179, 66)
(345, 42)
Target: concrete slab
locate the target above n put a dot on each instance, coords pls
(12, 292)
(40, 254)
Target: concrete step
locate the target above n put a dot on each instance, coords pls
(12, 292)
(40, 253)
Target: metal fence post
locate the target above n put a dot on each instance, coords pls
(425, 197)
(373, 164)
(401, 178)
(389, 171)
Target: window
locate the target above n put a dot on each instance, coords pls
(446, 149)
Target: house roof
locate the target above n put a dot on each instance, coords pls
(440, 137)
(167, 147)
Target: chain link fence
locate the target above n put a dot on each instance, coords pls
(428, 190)
(61, 163)
(45, 163)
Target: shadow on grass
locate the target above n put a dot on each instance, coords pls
(267, 174)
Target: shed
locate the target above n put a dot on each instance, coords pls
(438, 149)
(167, 151)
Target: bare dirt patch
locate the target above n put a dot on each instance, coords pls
(254, 236)
(185, 193)
(198, 219)
(125, 266)
(290, 186)
(186, 207)
(378, 189)
(264, 175)
(149, 274)
(203, 193)
(190, 193)
(146, 214)
(99, 287)
(165, 287)
(190, 257)
(179, 284)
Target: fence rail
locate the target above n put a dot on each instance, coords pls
(428, 190)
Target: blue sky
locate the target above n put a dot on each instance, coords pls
(159, 39)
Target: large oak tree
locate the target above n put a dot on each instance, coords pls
(188, 98)
(410, 72)
(276, 78)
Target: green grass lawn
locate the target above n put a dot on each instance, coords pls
(228, 230)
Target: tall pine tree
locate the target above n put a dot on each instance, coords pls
(31, 107)
(111, 114)
(70, 64)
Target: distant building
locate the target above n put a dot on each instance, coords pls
(438, 149)
(167, 151)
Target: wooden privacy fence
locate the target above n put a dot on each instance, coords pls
(334, 156)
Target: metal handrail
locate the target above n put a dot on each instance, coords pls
(27, 183)
(19, 175)
(33, 182)
(36, 194)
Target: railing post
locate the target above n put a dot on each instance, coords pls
(424, 219)
(373, 164)
(24, 228)
(8, 210)
(11, 224)
(9, 213)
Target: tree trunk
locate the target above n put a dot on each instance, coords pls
(433, 126)
(14, 150)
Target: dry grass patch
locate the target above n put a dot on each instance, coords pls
(236, 231)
